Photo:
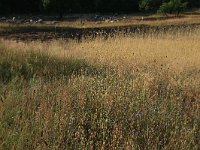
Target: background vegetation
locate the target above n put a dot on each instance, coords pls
(86, 6)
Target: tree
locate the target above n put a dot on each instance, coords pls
(173, 6)
(59, 6)
(116, 6)
(19, 6)
(150, 5)
(194, 3)
(1, 7)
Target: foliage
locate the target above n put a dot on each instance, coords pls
(58, 6)
(20, 6)
(86, 6)
(150, 4)
(194, 3)
(173, 6)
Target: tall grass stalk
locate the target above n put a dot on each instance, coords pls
(122, 93)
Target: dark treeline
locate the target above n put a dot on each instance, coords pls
(20, 6)
(87, 6)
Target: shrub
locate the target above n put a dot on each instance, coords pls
(173, 6)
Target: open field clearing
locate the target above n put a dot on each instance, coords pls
(97, 21)
(78, 26)
(138, 92)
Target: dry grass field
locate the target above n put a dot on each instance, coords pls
(140, 93)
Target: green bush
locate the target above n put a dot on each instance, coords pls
(173, 6)
(149, 5)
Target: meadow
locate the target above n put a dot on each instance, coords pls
(135, 92)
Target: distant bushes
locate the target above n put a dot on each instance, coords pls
(91, 6)
(173, 6)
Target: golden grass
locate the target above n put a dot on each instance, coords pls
(178, 53)
(135, 93)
